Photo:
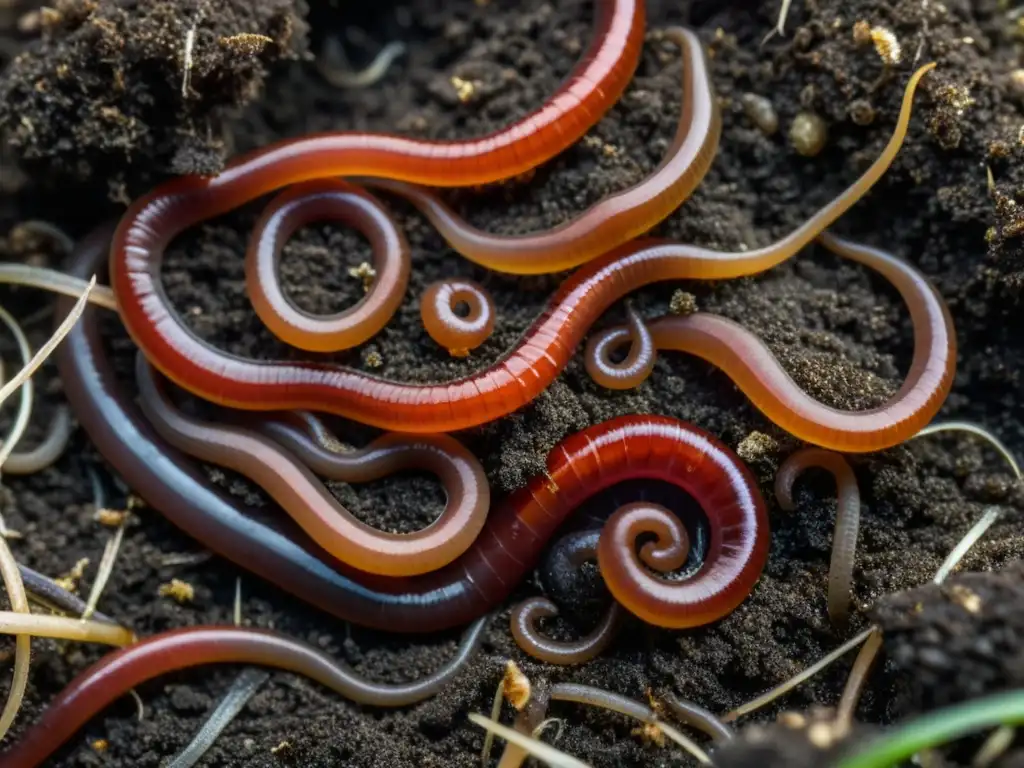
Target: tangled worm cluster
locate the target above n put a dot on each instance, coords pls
(469, 560)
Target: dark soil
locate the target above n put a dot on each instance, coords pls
(958, 640)
(91, 105)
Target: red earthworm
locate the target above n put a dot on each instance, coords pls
(511, 383)
(118, 672)
(457, 333)
(751, 365)
(574, 549)
(631, 447)
(330, 200)
(614, 220)
(844, 540)
(594, 85)
(703, 467)
(293, 485)
(693, 602)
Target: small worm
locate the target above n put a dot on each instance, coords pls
(294, 486)
(695, 715)
(118, 672)
(47, 452)
(575, 549)
(844, 540)
(614, 220)
(334, 67)
(756, 371)
(543, 351)
(330, 200)
(456, 332)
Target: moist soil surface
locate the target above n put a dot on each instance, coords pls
(92, 115)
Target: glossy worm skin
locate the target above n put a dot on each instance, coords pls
(634, 368)
(457, 333)
(266, 543)
(326, 200)
(507, 548)
(754, 368)
(735, 559)
(574, 549)
(118, 672)
(614, 220)
(149, 225)
(522, 375)
(293, 485)
(48, 451)
(844, 540)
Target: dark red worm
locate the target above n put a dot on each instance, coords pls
(119, 672)
(579, 467)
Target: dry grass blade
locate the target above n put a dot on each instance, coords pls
(64, 628)
(796, 680)
(780, 25)
(544, 752)
(992, 514)
(485, 753)
(21, 420)
(47, 349)
(857, 680)
(994, 746)
(105, 570)
(8, 565)
(22, 645)
(58, 282)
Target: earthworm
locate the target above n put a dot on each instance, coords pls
(266, 545)
(335, 69)
(303, 435)
(695, 715)
(457, 333)
(614, 220)
(844, 540)
(527, 370)
(635, 367)
(326, 200)
(594, 85)
(118, 672)
(693, 602)
(616, 702)
(48, 451)
(243, 689)
(575, 549)
(524, 620)
(52, 280)
(294, 486)
(756, 371)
